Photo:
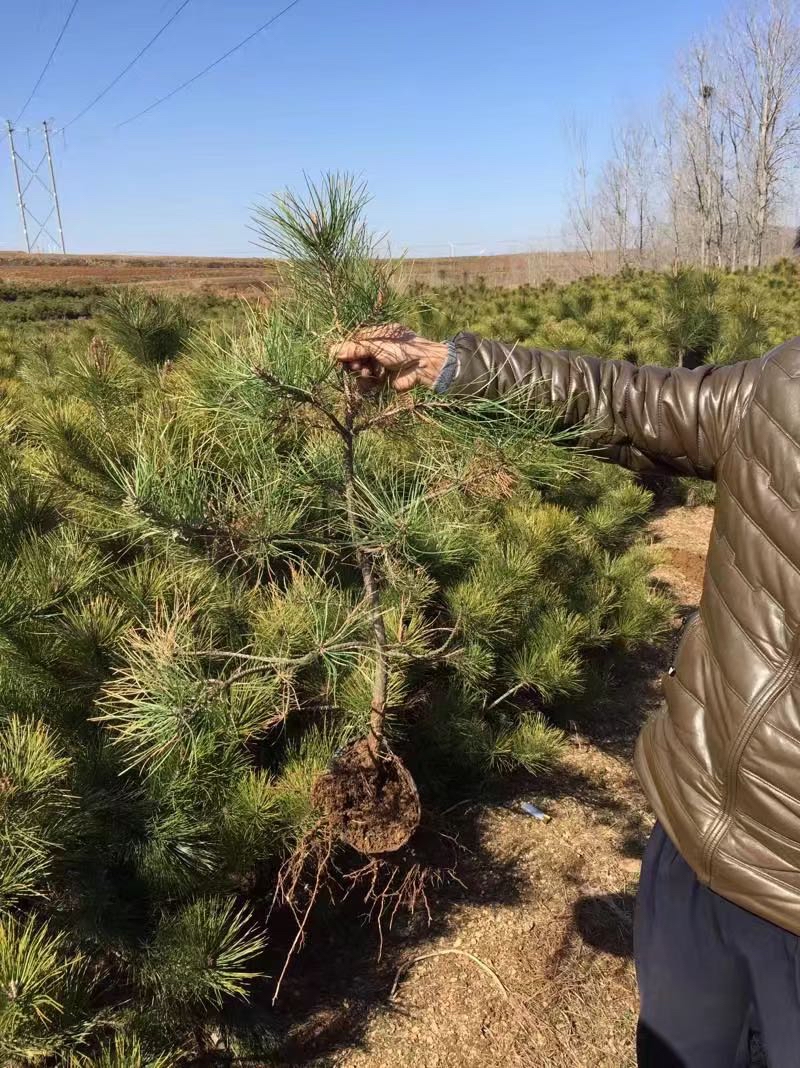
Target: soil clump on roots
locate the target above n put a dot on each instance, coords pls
(371, 804)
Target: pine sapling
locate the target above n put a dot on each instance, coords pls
(368, 795)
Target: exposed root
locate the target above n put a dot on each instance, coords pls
(390, 887)
(300, 881)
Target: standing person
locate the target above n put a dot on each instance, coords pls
(717, 933)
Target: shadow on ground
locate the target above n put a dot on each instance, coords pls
(605, 922)
(344, 972)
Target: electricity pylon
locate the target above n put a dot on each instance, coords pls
(29, 182)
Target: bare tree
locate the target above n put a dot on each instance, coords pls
(613, 200)
(621, 208)
(702, 122)
(763, 51)
(637, 147)
(644, 187)
(718, 180)
(738, 191)
(672, 182)
(581, 209)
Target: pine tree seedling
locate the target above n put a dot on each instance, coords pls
(369, 798)
(337, 285)
(366, 796)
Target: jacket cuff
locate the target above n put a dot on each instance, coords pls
(449, 370)
(470, 367)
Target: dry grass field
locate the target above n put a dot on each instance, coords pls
(249, 277)
(178, 274)
(227, 276)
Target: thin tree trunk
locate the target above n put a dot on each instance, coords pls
(366, 564)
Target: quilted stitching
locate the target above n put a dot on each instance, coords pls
(648, 418)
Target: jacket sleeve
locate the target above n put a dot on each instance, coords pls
(648, 418)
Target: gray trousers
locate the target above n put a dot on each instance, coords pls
(709, 972)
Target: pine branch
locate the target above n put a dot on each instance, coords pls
(267, 662)
(304, 396)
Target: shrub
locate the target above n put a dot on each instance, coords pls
(149, 329)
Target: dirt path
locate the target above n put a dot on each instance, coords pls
(529, 963)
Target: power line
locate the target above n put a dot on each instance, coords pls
(210, 67)
(125, 70)
(46, 67)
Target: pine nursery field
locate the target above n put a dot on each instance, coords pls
(687, 316)
(221, 570)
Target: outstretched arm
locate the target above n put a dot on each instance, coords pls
(645, 418)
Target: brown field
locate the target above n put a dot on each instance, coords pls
(242, 277)
(227, 276)
(249, 277)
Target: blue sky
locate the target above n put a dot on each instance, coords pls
(454, 112)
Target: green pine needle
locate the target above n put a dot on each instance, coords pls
(199, 954)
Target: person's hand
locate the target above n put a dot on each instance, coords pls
(391, 353)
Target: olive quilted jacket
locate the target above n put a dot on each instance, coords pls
(721, 763)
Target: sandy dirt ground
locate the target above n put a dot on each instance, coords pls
(528, 961)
